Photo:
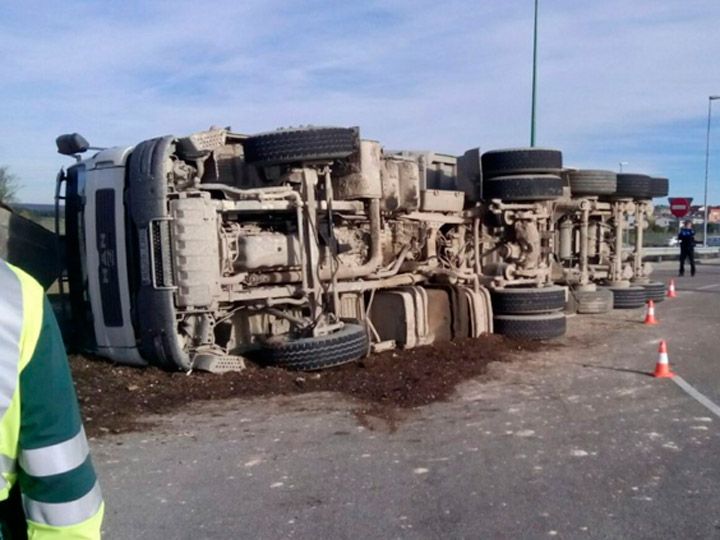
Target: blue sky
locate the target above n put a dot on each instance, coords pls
(618, 80)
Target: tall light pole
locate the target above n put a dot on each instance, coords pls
(707, 168)
(534, 79)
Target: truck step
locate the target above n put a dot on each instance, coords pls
(214, 363)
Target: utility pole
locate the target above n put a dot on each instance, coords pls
(534, 78)
(707, 167)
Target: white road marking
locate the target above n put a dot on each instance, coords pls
(690, 390)
(704, 287)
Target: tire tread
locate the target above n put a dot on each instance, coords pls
(306, 354)
(531, 327)
(528, 300)
(301, 144)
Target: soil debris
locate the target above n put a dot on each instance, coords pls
(118, 399)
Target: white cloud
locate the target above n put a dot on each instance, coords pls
(618, 80)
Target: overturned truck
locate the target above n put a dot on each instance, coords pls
(307, 247)
(295, 248)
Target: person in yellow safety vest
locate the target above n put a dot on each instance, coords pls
(48, 487)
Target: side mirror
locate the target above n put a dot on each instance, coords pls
(71, 144)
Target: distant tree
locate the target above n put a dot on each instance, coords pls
(8, 185)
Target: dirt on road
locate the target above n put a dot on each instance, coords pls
(118, 399)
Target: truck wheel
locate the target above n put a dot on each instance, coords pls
(633, 186)
(301, 144)
(528, 301)
(538, 187)
(593, 302)
(655, 291)
(533, 327)
(520, 161)
(628, 297)
(659, 187)
(348, 344)
(592, 182)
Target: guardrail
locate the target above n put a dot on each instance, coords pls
(29, 246)
(660, 253)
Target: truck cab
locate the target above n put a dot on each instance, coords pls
(97, 255)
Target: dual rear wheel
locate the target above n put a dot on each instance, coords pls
(522, 174)
(530, 313)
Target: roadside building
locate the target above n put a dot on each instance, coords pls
(714, 214)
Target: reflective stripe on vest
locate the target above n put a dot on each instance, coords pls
(67, 513)
(57, 458)
(11, 324)
(7, 464)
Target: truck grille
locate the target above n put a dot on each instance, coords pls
(162, 254)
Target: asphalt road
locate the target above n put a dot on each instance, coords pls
(695, 327)
(576, 441)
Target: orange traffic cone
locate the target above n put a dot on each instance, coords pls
(671, 290)
(650, 313)
(662, 368)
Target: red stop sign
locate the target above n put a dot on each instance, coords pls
(680, 206)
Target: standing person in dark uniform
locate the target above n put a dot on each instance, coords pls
(687, 247)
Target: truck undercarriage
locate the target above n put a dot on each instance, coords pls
(307, 247)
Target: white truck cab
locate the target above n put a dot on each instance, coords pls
(95, 194)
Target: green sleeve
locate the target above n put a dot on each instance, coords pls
(60, 493)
